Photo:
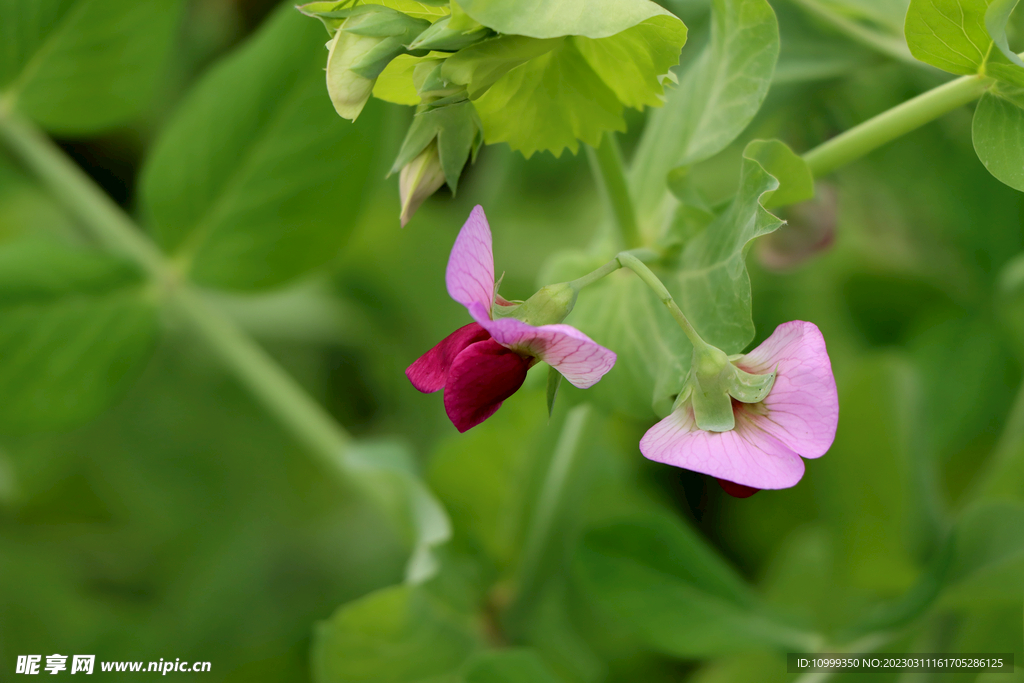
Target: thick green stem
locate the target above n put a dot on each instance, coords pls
(894, 123)
(539, 537)
(272, 386)
(606, 163)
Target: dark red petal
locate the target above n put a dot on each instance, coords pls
(430, 371)
(482, 376)
(737, 490)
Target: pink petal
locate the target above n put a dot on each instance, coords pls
(803, 406)
(579, 358)
(746, 455)
(470, 273)
(430, 371)
(480, 378)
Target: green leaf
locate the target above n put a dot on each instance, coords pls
(876, 481)
(715, 100)
(657, 578)
(633, 63)
(75, 329)
(796, 184)
(545, 94)
(653, 353)
(256, 180)
(395, 635)
(387, 472)
(508, 666)
(80, 66)
(554, 381)
(988, 564)
(544, 19)
(395, 83)
(964, 37)
(487, 497)
(710, 281)
(550, 103)
(998, 133)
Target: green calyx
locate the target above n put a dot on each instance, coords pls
(549, 306)
(714, 382)
(448, 36)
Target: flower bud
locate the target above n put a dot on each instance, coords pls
(348, 90)
(419, 179)
(441, 36)
(362, 47)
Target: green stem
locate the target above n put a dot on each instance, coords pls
(606, 163)
(651, 280)
(539, 537)
(887, 45)
(894, 123)
(272, 386)
(1003, 473)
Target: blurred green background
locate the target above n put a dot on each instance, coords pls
(183, 522)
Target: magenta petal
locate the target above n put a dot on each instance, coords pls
(579, 358)
(746, 455)
(803, 405)
(430, 371)
(470, 272)
(737, 490)
(482, 376)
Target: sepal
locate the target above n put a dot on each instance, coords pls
(549, 306)
(443, 36)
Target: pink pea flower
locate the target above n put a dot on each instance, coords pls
(765, 450)
(483, 363)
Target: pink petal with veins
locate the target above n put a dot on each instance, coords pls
(480, 378)
(579, 358)
(746, 455)
(803, 405)
(470, 272)
(430, 371)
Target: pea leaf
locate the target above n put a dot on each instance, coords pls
(75, 328)
(395, 635)
(796, 184)
(710, 280)
(547, 93)
(509, 666)
(998, 133)
(387, 472)
(717, 97)
(543, 19)
(80, 66)
(256, 180)
(988, 564)
(964, 37)
(550, 103)
(657, 578)
(710, 283)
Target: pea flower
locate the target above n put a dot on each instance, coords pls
(483, 363)
(771, 434)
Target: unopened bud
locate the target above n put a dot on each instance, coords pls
(348, 90)
(441, 36)
(419, 179)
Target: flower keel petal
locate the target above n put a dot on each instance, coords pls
(430, 371)
(480, 378)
